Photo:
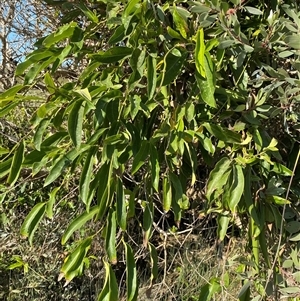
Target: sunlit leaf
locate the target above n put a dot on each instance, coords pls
(110, 238)
(216, 178)
(131, 274)
(78, 223)
(32, 220)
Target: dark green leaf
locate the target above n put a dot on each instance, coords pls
(173, 62)
(16, 163)
(151, 76)
(113, 55)
(121, 205)
(75, 122)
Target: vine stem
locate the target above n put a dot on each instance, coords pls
(282, 223)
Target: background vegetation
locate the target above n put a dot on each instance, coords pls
(150, 150)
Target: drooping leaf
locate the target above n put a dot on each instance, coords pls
(167, 194)
(74, 263)
(236, 188)
(5, 167)
(154, 167)
(207, 85)
(32, 221)
(16, 163)
(140, 157)
(86, 176)
(154, 262)
(62, 163)
(110, 238)
(78, 223)
(50, 85)
(38, 136)
(151, 76)
(147, 222)
(200, 53)
(218, 177)
(223, 222)
(250, 203)
(121, 205)
(110, 287)
(50, 203)
(131, 274)
(75, 122)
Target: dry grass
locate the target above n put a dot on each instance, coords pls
(186, 262)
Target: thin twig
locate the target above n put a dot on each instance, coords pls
(282, 224)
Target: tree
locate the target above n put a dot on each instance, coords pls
(21, 24)
(167, 90)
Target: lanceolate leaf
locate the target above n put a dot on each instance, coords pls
(173, 63)
(74, 263)
(78, 223)
(236, 189)
(250, 204)
(5, 167)
(147, 222)
(218, 177)
(110, 238)
(140, 157)
(113, 55)
(223, 133)
(151, 76)
(118, 35)
(131, 275)
(180, 23)
(207, 85)
(85, 178)
(50, 203)
(16, 164)
(63, 33)
(154, 262)
(104, 182)
(154, 167)
(10, 93)
(199, 53)
(32, 220)
(167, 194)
(62, 163)
(121, 205)
(110, 288)
(75, 122)
(223, 222)
(50, 85)
(38, 136)
(88, 13)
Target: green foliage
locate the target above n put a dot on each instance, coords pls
(169, 90)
